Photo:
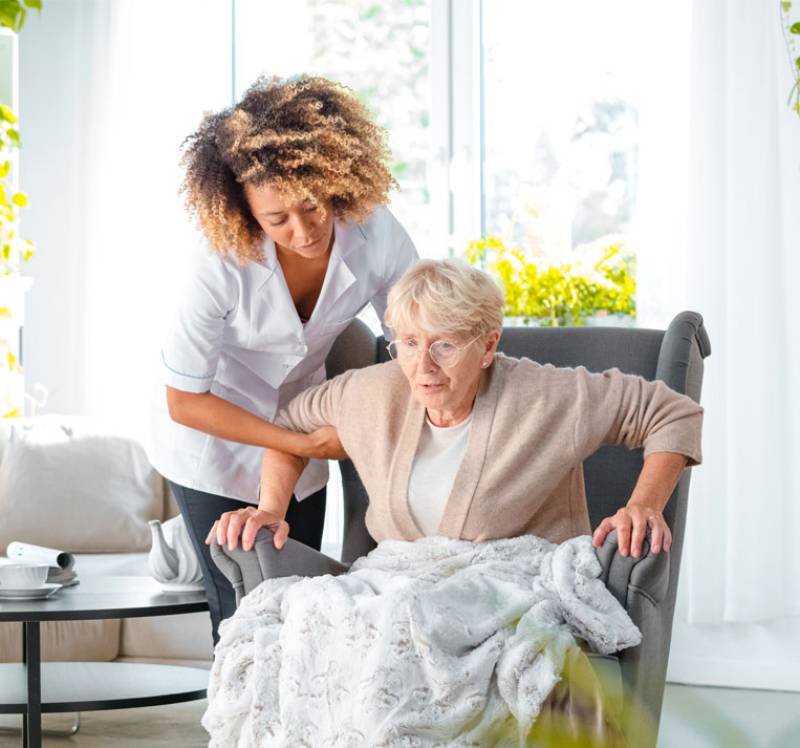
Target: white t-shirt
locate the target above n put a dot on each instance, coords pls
(237, 334)
(440, 453)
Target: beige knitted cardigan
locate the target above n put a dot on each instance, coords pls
(532, 428)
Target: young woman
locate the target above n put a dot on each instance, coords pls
(289, 188)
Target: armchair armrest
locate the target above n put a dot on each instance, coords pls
(642, 587)
(247, 569)
(625, 576)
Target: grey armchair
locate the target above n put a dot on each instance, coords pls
(646, 586)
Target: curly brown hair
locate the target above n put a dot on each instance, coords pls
(308, 137)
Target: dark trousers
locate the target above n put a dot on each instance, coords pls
(201, 510)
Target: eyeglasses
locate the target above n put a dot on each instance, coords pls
(442, 353)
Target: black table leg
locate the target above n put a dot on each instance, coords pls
(32, 726)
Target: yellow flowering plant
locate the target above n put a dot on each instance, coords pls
(596, 279)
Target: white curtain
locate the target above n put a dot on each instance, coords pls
(166, 63)
(742, 561)
(109, 89)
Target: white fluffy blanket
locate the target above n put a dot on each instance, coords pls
(431, 643)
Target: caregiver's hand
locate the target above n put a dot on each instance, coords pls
(631, 523)
(247, 522)
(322, 444)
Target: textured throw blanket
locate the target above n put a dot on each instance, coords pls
(438, 642)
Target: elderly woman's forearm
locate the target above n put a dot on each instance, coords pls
(659, 476)
(279, 475)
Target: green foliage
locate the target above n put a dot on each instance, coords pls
(13, 248)
(790, 30)
(13, 12)
(597, 279)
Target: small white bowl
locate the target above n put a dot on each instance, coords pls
(22, 576)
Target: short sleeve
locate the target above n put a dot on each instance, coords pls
(191, 348)
(400, 255)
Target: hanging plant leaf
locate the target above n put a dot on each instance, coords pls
(795, 27)
(7, 113)
(20, 199)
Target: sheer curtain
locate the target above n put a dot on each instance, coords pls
(744, 237)
(742, 562)
(166, 64)
(110, 89)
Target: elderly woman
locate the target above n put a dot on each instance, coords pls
(452, 438)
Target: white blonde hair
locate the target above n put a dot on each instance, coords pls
(445, 296)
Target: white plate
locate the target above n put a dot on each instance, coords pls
(29, 593)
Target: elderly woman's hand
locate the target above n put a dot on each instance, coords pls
(631, 523)
(247, 522)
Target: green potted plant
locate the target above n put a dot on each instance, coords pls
(594, 284)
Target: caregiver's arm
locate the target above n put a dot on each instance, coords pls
(214, 415)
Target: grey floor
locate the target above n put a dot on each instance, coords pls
(693, 718)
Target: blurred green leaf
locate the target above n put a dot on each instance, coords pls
(795, 27)
(371, 12)
(12, 15)
(20, 199)
(34, 4)
(13, 136)
(7, 113)
(786, 6)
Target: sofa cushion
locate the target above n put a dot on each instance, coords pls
(85, 641)
(68, 483)
(186, 636)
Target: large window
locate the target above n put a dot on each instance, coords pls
(504, 117)
(560, 121)
(379, 49)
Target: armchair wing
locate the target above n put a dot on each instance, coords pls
(247, 569)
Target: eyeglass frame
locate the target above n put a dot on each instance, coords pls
(460, 350)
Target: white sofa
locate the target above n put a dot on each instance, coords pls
(74, 484)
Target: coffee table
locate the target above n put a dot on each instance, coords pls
(33, 688)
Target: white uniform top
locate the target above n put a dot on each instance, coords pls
(238, 335)
(439, 454)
